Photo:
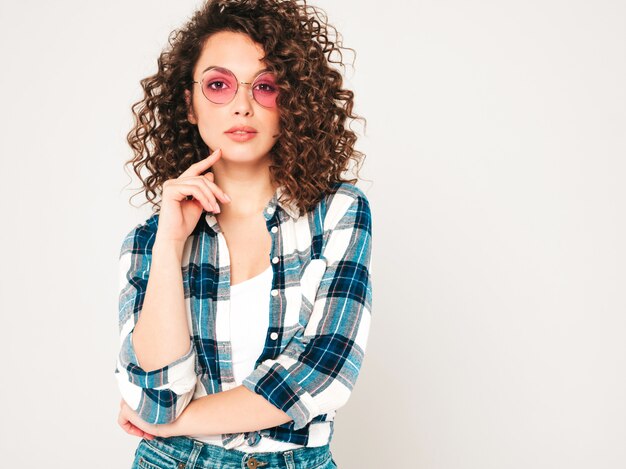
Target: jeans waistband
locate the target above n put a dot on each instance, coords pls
(195, 454)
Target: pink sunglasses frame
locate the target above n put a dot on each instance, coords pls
(250, 90)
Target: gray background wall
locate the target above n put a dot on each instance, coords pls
(495, 169)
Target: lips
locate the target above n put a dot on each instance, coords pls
(241, 129)
(241, 133)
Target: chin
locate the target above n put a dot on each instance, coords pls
(243, 153)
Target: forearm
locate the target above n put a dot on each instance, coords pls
(233, 411)
(161, 334)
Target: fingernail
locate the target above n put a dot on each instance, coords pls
(226, 197)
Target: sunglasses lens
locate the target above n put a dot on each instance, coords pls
(265, 90)
(219, 85)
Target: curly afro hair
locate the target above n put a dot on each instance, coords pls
(315, 146)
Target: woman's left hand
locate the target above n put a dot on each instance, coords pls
(132, 424)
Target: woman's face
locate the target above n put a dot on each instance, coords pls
(239, 54)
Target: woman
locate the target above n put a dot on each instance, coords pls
(246, 297)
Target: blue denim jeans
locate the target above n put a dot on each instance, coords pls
(182, 452)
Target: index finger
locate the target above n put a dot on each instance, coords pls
(199, 167)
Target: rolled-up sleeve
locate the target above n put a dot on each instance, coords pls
(317, 370)
(158, 396)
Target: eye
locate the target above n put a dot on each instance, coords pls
(217, 85)
(267, 88)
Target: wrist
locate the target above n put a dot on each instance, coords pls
(169, 429)
(165, 247)
(179, 426)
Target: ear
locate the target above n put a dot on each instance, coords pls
(191, 117)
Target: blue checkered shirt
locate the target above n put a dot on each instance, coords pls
(320, 311)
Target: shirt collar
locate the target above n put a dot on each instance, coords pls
(290, 208)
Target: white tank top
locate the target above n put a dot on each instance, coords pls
(249, 320)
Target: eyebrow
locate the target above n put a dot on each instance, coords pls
(266, 69)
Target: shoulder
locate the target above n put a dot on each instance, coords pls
(347, 202)
(348, 190)
(140, 238)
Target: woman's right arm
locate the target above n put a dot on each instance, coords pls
(156, 363)
(155, 378)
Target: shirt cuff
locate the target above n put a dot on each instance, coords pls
(178, 376)
(273, 381)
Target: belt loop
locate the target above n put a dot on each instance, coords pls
(288, 455)
(195, 453)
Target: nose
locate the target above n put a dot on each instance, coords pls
(242, 102)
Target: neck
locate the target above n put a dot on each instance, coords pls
(247, 184)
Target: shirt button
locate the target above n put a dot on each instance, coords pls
(274, 229)
(274, 292)
(274, 335)
(275, 260)
(270, 210)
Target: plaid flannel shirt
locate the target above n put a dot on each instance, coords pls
(320, 311)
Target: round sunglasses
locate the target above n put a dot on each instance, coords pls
(220, 85)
